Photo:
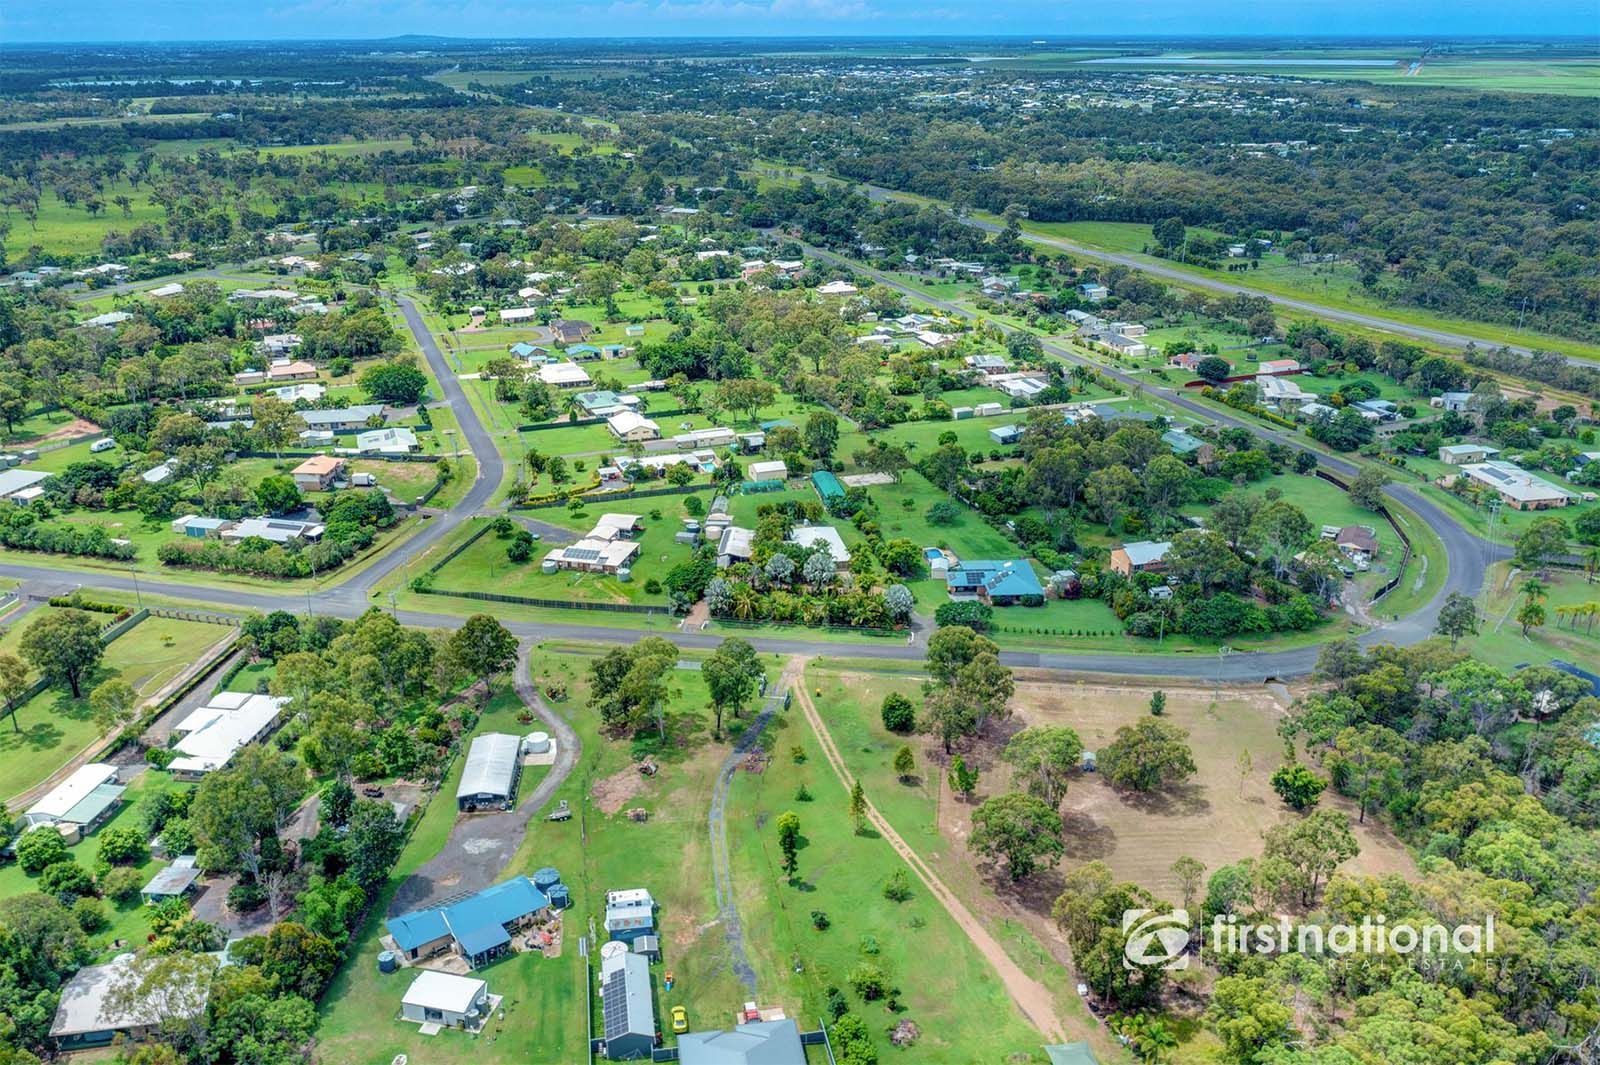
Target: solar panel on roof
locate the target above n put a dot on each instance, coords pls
(582, 554)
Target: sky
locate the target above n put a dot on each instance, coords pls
(195, 20)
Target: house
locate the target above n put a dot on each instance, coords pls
(1187, 360)
(582, 352)
(752, 442)
(198, 528)
(81, 803)
(274, 530)
(286, 370)
(213, 734)
(520, 314)
(630, 426)
(810, 536)
(494, 765)
(1315, 412)
(1181, 442)
(108, 320)
(161, 292)
(630, 913)
(90, 1014)
(987, 364)
(1092, 292)
(1002, 582)
(1461, 454)
(751, 1043)
(1359, 542)
(1021, 385)
(1131, 347)
(627, 1007)
(342, 419)
(278, 344)
(1282, 392)
(774, 470)
(736, 544)
(528, 352)
(254, 295)
(175, 881)
(1277, 366)
(158, 474)
(446, 999)
(317, 474)
(14, 481)
(571, 331)
(1006, 435)
(1131, 330)
(604, 549)
(1519, 489)
(1381, 409)
(930, 339)
(1143, 556)
(604, 403)
(1086, 321)
(1459, 402)
(294, 393)
(986, 410)
(395, 440)
(478, 927)
(837, 288)
(698, 438)
(563, 375)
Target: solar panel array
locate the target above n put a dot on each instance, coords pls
(581, 554)
(614, 1005)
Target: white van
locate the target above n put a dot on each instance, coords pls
(105, 443)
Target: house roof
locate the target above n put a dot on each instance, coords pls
(477, 922)
(555, 373)
(1514, 482)
(358, 413)
(1357, 536)
(275, 530)
(216, 731)
(1468, 449)
(13, 481)
(1181, 442)
(1146, 552)
(754, 1043)
(625, 1003)
(175, 879)
(736, 542)
(70, 792)
(84, 1008)
(412, 930)
(491, 765)
(443, 991)
(809, 536)
(626, 421)
(999, 577)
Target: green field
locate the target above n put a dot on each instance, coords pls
(1500, 641)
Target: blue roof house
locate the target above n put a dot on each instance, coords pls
(999, 582)
(477, 927)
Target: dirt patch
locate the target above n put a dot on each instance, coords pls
(612, 793)
(67, 430)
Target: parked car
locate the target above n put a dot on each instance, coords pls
(680, 1019)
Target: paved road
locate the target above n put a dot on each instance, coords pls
(1442, 337)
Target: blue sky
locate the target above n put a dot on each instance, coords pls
(125, 20)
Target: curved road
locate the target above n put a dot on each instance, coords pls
(1468, 557)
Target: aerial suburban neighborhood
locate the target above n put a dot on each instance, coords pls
(799, 534)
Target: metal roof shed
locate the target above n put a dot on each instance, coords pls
(494, 761)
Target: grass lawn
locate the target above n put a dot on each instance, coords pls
(54, 726)
(129, 921)
(1500, 641)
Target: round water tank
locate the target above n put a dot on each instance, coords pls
(536, 742)
(613, 949)
(387, 962)
(546, 878)
(624, 574)
(548, 566)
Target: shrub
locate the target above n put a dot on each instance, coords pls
(868, 981)
(121, 884)
(66, 880)
(820, 920)
(898, 887)
(898, 713)
(978, 617)
(869, 943)
(39, 849)
(246, 896)
(802, 794)
(123, 845)
(90, 915)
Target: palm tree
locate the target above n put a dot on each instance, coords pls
(1591, 563)
(1533, 589)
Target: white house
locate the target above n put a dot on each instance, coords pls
(809, 536)
(774, 470)
(630, 426)
(394, 440)
(213, 734)
(444, 999)
(837, 288)
(82, 801)
(563, 375)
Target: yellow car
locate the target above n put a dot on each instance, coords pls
(680, 1019)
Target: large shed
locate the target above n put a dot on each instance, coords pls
(494, 763)
(626, 1006)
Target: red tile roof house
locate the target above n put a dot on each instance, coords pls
(315, 474)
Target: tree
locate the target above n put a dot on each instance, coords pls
(166, 993)
(731, 673)
(1213, 368)
(1148, 755)
(1458, 617)
(1368, 761)
(40, 848)
(898, 600)
(123, 845)
(397, 383)
(789, 841)
(979, 690)
(1019, 828)
(858, 806)
(1545, 539)
(1367, 489)
(821, 435)
(1158, 703)
(905, 763)
(897, 713)
(963, 779)
(278, 494)
(745, 394)
(1189, 872)
(374, 838)
(1169, 233)
(1530, 616)
(236, 810)
(297, 960)
(1248, 1017)
(482, 648)
(1297, 785)
(1045, 756)
(114, 701)
(15, 682)
(1312, 849)
(276, 422)
(64, 647)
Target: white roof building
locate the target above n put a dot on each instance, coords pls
(520, 314)
(773, 470)
(14, 481)
(837, 288)
(108, 320)
(310, 391)
(163, 291)
(443, 997)
(87, 1017)
(631, 425)
(214, 733)
(493, 763)
(394, 440)
(78, 800)
(809, 536)
(563, 374)
(1281, 390)
(1517, 486)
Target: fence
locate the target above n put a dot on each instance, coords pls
(194, 615)
(107, 635)
(450, 556)
(563, 604)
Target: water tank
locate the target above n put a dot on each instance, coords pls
(559, 896)
(548, 566)
(624, 574)
(546, 878)
(536, 743)
(614, 949)
(387, 962)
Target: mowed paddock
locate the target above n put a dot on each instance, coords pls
(1217, 816)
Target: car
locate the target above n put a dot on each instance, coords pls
(680, 1019)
